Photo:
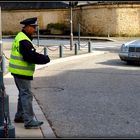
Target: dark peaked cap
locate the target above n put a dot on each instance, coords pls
(29, 21)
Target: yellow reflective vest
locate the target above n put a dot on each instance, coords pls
(16, 64)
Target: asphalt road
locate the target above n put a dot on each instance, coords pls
(93, 97)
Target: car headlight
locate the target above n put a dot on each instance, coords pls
(124, 48)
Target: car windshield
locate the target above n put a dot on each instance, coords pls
(136, 42)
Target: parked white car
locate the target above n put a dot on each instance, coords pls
(130, 51)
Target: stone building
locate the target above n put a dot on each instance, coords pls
(100, 18)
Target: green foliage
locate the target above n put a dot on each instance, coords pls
(9, 33)
(58, 26)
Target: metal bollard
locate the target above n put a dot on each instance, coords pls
(60, 51)
(10, 132)
(4, 107)
(89, 47)
(3, 64)
(45, 51)
(7, 130)
(79, 36)
(76, 49)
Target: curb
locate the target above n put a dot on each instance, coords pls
(65, 59)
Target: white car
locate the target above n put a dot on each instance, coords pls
(130, 51)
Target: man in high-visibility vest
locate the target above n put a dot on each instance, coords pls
(22, 66)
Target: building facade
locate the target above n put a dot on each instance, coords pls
(97, 19)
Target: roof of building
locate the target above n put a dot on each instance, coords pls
(24, 5)
(82, 3)
(27, 5)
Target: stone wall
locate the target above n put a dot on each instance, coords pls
(11, 19)
(98, 20)
(121, 19)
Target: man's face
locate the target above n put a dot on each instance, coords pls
(31, 29)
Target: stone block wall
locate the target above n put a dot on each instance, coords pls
(11, 19)
(98, 20)
(112, 20)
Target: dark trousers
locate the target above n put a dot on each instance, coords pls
(25, 98)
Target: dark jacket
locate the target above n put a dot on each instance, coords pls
(30, 55)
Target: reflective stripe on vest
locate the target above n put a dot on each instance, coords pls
(17, 65)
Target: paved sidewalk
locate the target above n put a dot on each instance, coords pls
(20, 131)
(45, 130)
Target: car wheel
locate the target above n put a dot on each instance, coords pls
(129, 62)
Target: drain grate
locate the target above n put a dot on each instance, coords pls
(50, 89)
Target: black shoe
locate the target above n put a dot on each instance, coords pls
(33, 124)
(18, 120)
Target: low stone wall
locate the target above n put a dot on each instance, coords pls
(98, 20)
(112, 20)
